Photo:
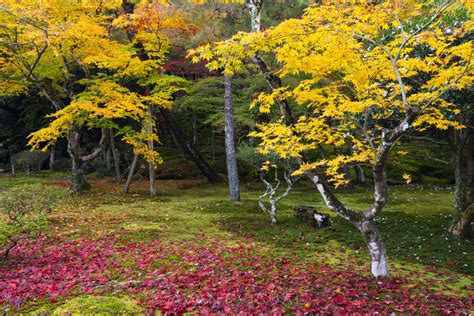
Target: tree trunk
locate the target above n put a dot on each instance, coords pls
(131, 171)
(347, 177)
(360, 174)
(464, 187)
(78, 183)
(187, 147)
(231, 160)
(151, 167)
(108, 158)
(194, 125)
(115, 155)
(232, 171)
(52, 157)
(378, 256)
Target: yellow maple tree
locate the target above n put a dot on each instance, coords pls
(79, 55)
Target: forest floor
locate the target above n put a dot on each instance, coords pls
(189, 250)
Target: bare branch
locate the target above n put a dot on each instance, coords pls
(427, 139)
(430, 158)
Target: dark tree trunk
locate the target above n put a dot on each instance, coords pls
(187, 147)
(78, 183)
(131, 171)
(108, 158)
(464, 186)
(194, 125)
(115, 155)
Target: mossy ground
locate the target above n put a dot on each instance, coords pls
(413, 224)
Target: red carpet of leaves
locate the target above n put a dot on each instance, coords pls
(186, 277)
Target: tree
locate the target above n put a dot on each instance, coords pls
(354, 66)
(231, 160)
(83, 70)
(268, 167)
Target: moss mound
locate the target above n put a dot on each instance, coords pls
(99, 305)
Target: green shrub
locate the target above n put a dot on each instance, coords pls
(99, 305)
(24, 213)
(100, 169)
(62, 164)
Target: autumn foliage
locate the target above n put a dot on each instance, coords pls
(177, 277)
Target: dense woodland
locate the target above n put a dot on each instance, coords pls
(334, 136)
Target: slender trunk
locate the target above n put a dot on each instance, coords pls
(464, 187)
(232, 171)
(131, 171)
(231, 160)
(212, 145)
(52, 157)
(360, 174)
(13, 168)
(151, 167)
(347, 177)
(115, 155)
(194, 125)
(187, 147)
(108, 158)
(13, 244)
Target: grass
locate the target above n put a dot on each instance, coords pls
(413, 224)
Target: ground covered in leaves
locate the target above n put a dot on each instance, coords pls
(188, 250)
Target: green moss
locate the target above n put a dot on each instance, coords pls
(99, 305)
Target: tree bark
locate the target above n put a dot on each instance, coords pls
(464, 186)
(115, 155)
(52, 157)
(254, 7)
(272, 190)
(360, 174)
(187, 147)
(78, 183)
(231, 160)
(131, 171)
(378, 255)
(151, 167)
(108, 158)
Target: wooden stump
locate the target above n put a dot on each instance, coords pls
(311, 216)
